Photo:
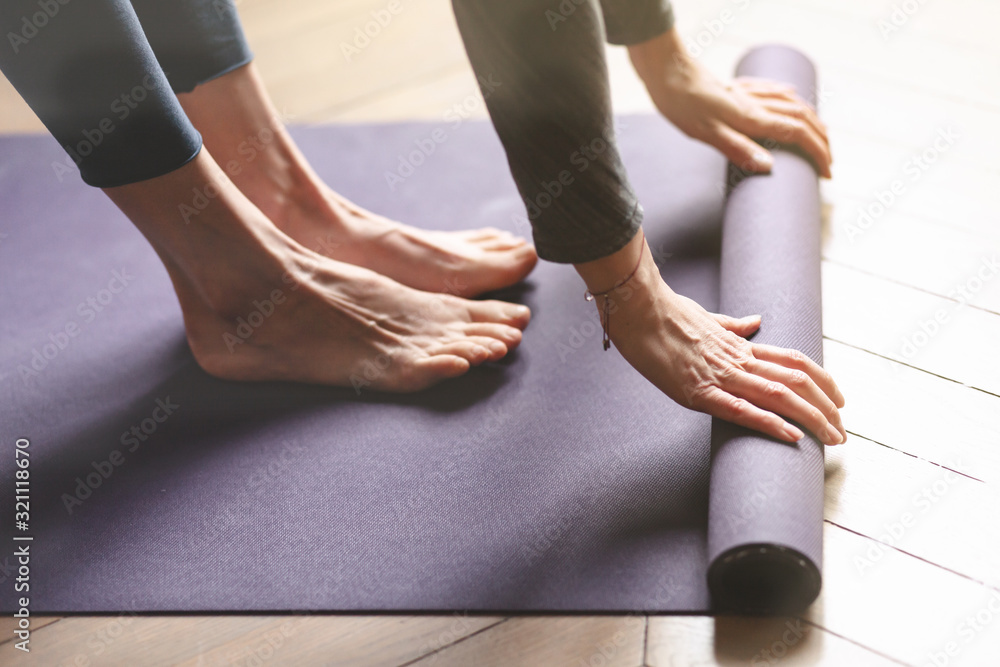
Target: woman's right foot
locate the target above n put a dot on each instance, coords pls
(259, 306)
(342, 325)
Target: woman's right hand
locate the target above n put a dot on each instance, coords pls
(703, 360)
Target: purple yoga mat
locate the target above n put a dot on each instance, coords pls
(557, 480)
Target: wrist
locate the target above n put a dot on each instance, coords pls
(601, 275)
(660, 60)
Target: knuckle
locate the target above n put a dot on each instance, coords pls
(774, 389)
(796, 357)
(798, 378)
(736, 407)
(697, 395)
(743, 352)
(728, 372)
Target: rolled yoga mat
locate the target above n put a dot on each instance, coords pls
(557, 480)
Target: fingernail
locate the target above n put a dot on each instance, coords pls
(833, 435)
(793, 432)
(497, 346)
(763, 159)
(752, 317)
(519, 311)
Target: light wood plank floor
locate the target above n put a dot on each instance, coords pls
(923, 406)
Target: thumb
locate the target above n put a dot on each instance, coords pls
(741, 150)
(743, 326)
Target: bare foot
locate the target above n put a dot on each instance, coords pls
(465, 263)
(259, 306)
(342, 325)
(244, 132)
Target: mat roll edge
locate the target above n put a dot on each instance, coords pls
(765, 528)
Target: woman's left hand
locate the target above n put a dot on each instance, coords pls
(728, 116)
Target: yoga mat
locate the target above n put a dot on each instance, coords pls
(557, 480)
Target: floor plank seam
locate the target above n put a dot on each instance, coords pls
(913, 555)
(919, 458)
(887, 279)
(916, 368)
(457, 641)
(923, 217)
(645, 642)
(7, 641)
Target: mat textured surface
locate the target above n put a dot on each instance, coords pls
(558, 480)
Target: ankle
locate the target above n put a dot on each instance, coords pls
(210, 236)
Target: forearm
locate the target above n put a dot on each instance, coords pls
(661, 57)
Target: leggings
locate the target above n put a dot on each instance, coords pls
(101, 75)
(550, 103)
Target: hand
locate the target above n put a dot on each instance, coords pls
(703, 361)
(727, 116)
(719, 372)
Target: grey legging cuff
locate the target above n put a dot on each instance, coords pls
(93, 72)
(551, 106)
(635, 21)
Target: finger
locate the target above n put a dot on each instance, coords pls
(741, 150)
(743, 326)
(789, 94)
(775, 396)
(788, 130)
(803, 385)
(723, 405)
(799, 361)
(800, 111)
(754, 83)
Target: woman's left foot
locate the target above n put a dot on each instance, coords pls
(236, 118)
(465, 263)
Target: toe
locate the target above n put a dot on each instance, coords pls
(501, 312)
(509, 336)
(496, 346)
(467, 349)
(501, 244)
(484, 234)
(433, 369)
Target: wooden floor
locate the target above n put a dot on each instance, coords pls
(912, 328)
